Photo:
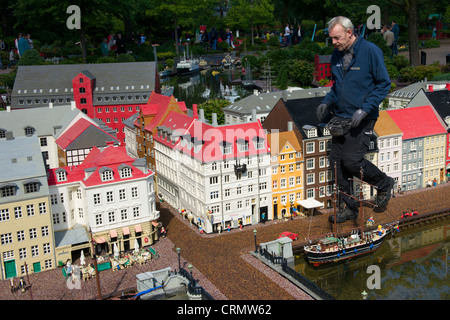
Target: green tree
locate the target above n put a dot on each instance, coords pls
(302, 72)
(244, 13)
(178, 13)
(30, 58)
(215, 106)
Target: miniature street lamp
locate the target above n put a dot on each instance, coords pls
(254, 234)
(178, 250)
(364, 294)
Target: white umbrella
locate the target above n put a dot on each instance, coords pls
(82, 259)
(116, 250)
(136, 246)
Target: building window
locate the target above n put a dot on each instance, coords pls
(82, 90)
(109, 196)
(98, 219)
(62, 175)
(83, 100)
(310, 147)
(125, 172)
(107, 175)
(29, 131)
(31, 187)
(97, 198)
(7, 191)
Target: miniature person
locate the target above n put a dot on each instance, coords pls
(361, 82)
(163, 232)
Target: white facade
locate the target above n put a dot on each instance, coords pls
(213, 194)
(103, 207)
(390, 156)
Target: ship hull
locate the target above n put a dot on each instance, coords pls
(318, 258)
(183, 71)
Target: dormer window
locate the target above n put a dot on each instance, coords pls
(259, 143)
(8, 190)
(326, 132)
(61, 175)
(311, 133)
(242, 145)
(227, 148)
(29, 131)
(31, 185)
(125, 171)
(106, 174)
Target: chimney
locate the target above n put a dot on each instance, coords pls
(8, 108)
(290, 126)
(430, 88)
(9, 135)
(253, 115)
(73, 105)
(255, 92)
(202, 115)
(194, 109)
(447, 85)
(214, 119)
(50, 105)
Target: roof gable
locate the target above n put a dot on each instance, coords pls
(83, 134)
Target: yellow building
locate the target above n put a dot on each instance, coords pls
(287, 171)
(26, 229)
(434, 159)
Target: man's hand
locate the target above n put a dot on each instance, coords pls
(357, 118)
(322, 111)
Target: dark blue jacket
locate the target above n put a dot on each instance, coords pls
(363, 85)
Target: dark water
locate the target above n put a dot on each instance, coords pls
(413, 265)
(207, 85)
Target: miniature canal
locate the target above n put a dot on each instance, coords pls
(413, 264)
(206, 85)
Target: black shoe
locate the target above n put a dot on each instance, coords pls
(383, 197)
(346, 214)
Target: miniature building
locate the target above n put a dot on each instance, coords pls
(27, 230)
(322, 67)
(314, 140)
(218, 176)
(287, 172)
(424, 146)
(65, 134)
(110, 92)
(110, 193)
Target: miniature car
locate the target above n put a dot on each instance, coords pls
(290, 235)
(409, 214)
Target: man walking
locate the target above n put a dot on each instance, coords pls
(395, 30)
(361, 82)
(388, 36)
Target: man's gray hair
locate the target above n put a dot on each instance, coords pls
(343, 21)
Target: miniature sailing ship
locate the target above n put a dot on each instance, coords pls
(333, 248)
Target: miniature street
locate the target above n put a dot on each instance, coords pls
(222, 263)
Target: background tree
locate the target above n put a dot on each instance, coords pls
(250, 13)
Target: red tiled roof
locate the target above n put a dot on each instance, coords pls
(111, 157)
(209, 139)
(417, 122)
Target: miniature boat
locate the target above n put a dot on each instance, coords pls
(187, 66)
(332, 249)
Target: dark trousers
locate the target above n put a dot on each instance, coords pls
(347, 152)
